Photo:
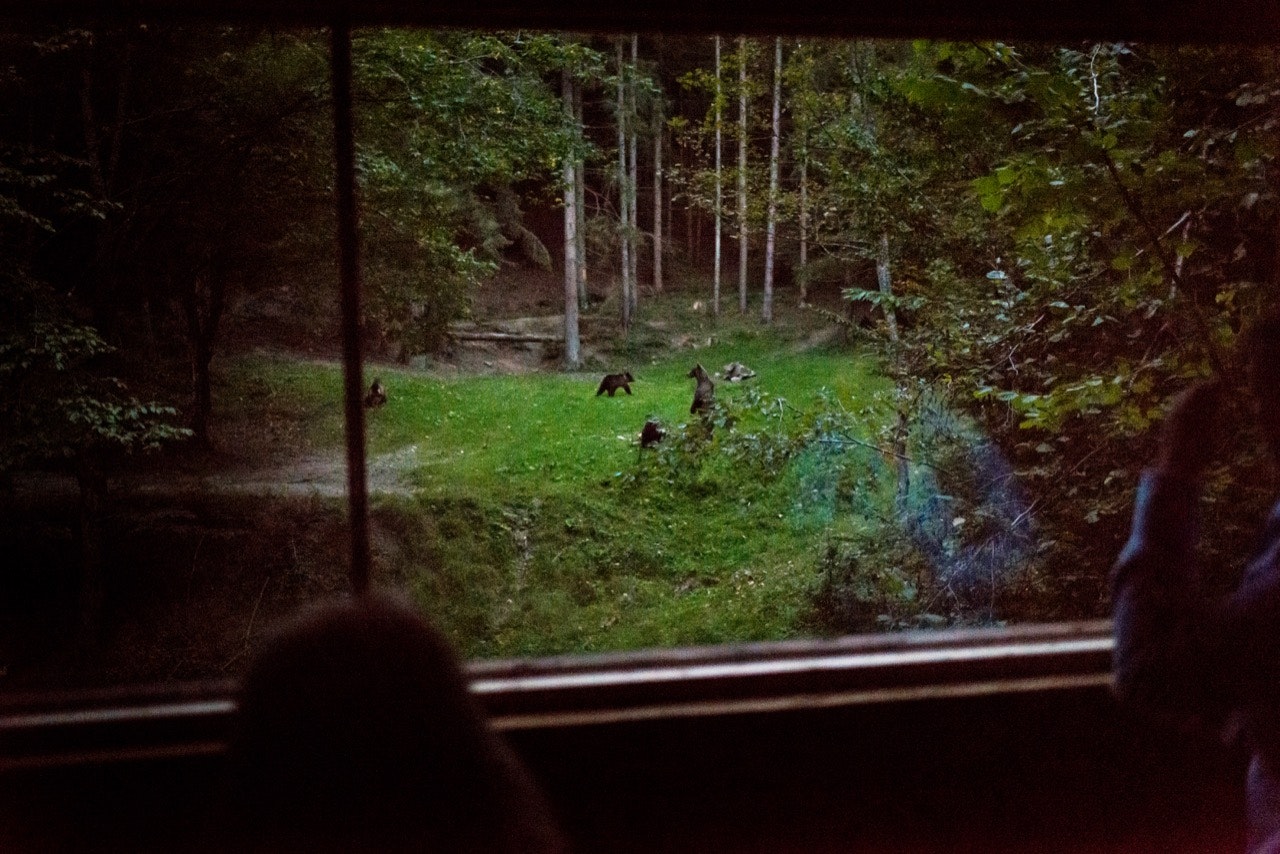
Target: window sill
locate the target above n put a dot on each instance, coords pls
(575, 691)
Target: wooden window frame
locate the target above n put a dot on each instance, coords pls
(563, 692)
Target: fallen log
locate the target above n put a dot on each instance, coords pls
(507, 337)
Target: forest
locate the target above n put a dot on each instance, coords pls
(965, 280)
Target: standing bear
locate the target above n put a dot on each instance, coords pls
(704, 395)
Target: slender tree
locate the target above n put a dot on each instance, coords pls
(863, 64)
(771, 227)
(742, 174)
(884, 280)
(580, 200)
(690, 210)
(203, 303)
(719, 110)
(803, 271)
(657, 194)
(624, 215)
(572, 355)
(633, 174)
(803, 118)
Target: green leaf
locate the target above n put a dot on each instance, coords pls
(989, 192)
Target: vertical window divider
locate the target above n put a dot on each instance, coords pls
(348, 237)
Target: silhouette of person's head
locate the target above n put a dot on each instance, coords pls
(357, 732)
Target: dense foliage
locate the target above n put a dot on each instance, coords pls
(453, 128)
(1053, 239)
(1130, 206)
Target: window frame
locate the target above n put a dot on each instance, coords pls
(564, 692)
(152, 721)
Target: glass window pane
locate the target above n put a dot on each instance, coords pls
(670, 339)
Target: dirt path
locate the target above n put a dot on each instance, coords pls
(318, 474)
(323, 475)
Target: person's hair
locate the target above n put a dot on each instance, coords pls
(357, 732)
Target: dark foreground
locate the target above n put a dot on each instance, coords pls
(1053, 771)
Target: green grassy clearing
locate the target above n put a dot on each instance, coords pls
(539, 527)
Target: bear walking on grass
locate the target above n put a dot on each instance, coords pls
(612, 382)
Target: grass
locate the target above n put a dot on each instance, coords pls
(537, 526)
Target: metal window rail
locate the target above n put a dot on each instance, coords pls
(577, 691)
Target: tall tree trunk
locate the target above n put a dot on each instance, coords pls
(572, 355)
(203, 302)
(742, 174)
(92, 146)
(885, 282)
(102, 180)
(902, 493)
(802, 275)
(669, 218)
(624, 217)
(657, 197)
(771, 227)
(580, 201)
(719, 109)
(633, 174)
(802, 116)
(689, 209)
(1180, 260)
(850, 308)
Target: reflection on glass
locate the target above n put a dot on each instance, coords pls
(671, 340)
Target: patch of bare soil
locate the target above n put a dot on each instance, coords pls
(326, 476)
(469, 359)
(518, 290)
(820, 337)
